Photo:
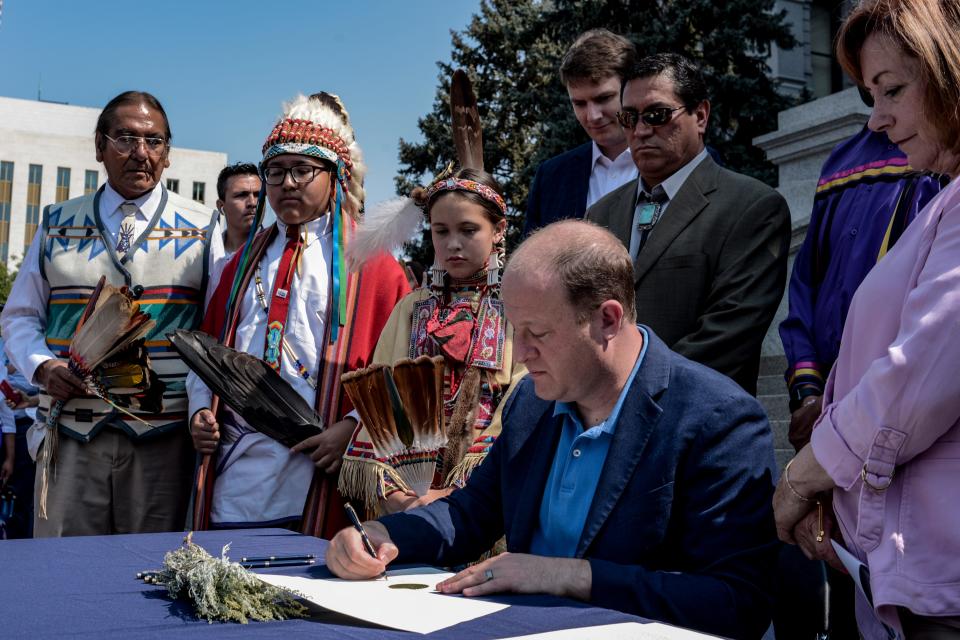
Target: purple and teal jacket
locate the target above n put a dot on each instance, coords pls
(866, 196)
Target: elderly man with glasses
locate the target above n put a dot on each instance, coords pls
(709, 245)
(113, 472)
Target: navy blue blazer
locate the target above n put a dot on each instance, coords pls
(559, 188)
(681, 526)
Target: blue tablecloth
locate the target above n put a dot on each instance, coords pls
(87, 587)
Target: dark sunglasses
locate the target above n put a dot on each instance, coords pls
(655, 117)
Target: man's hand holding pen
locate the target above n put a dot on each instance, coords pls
(347, 557)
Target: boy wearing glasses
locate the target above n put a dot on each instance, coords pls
(709, 245)
(300, 309)
(566, 185)
(113, 473)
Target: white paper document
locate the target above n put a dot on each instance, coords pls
(621, 631)
(400, 602)
(855, 568)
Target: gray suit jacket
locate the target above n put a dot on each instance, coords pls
(712, 272)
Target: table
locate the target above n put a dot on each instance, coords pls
(86, 587)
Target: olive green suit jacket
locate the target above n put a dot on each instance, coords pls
(712, 272)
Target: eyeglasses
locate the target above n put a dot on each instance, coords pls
(301, 174)
(655, 117)
(127, 144)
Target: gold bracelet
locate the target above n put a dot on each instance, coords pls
(821, 534)
(786, 477)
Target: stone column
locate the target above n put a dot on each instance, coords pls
(804, 138)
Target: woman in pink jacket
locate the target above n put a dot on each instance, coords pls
(887, 445)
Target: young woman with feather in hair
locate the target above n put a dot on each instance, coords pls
(458, 315)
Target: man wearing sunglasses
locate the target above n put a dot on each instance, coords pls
(709, 245)
(114, 472)
(566, 185)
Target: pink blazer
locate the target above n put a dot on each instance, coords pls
(892, 410)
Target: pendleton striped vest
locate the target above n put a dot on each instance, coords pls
(168, 260)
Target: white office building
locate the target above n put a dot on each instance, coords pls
(47, 156)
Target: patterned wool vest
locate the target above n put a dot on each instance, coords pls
(168, 260)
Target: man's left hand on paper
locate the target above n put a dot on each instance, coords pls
(523, 573)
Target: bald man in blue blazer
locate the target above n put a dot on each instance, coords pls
(625, 475)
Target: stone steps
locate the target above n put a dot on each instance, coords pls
(771, 386)
(772, 394)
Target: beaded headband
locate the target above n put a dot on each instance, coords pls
(459, 184)
(306, 138)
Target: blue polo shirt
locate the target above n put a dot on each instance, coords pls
(573, 478)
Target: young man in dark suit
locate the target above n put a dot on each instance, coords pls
(625, 475)
(709, 245)
(566, 185)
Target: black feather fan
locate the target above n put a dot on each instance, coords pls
(249, 386)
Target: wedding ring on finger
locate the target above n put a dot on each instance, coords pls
(488, 575)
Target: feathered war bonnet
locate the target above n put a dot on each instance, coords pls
(388, 225)
(318, 126)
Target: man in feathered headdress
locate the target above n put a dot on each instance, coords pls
(288, 297)
(114, 473)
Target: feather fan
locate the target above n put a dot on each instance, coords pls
(109, 327)
(249, 386)
(465, 122)
(111, 322)
(385, 228)
(115, 322)
(402, 410)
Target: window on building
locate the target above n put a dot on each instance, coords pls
(826, 77)
(6, 196)
(63, 184)
(198, 191)
(173, 185)
(35, 178)
(90, 180)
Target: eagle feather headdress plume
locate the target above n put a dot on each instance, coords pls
(250, 387)
(107, 354)
(388, 225)
(465, 122)
(402, 409)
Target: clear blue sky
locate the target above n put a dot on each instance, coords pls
(222, 68)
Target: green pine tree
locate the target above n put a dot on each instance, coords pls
(7, 276)
(512, 51)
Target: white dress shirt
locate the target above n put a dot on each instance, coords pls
(219, 256)
(607, 175)
(258, 479)
(671, 187)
